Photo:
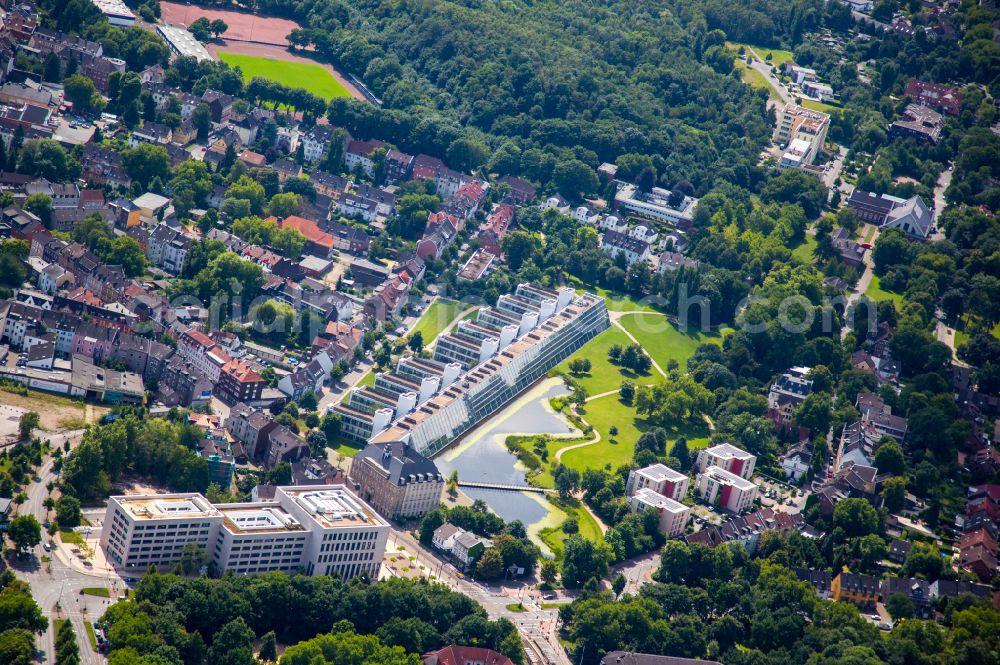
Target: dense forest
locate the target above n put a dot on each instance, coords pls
(550, 82)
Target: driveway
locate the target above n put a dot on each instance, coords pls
(764, 68)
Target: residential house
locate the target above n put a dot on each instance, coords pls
(519, 191)
(673, 515)
(728, 457)
(388, 300)
(198, 348)
(659, 478)
(786, 394)
(358, 155)
(614, 243)
(250, 427)
(860, 590)
(797, 460)
(220, 104)
(918, 591)
(398, 166)
(899, 550)
(316, 143)
(851, 252)
(444, 536)
(438, 235)
(934, 95)
(239, 383)
(717, 486)
(468, 548)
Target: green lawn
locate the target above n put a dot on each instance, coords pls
(312, 77)
(437, 317)
(617, 302)
(71, 537)
(346, 447)
(603, 376)
(554, 536)
(604, 412)
(367, 380)
(875, 292)
(662, 340)
(516, 607)
(778, 56)
(90, 634)
(755, 79)
(819, 106)
(803, 252)
(99, 591)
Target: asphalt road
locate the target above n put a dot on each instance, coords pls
(57, 582)
(538, 627)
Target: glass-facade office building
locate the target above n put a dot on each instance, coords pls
(551, 325)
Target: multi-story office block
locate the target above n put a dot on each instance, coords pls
(729, 491)
(316, 530)
(729, 457)
(429, 403)
(673, 514)
(661, 479)
(396, 480)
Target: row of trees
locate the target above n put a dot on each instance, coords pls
(183, 621)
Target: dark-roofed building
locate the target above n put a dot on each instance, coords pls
(860, 590)
(396, 480)
(817, 579)
(899, 550)
(521, 191)
(614, 243)
(284, 446)
(918, 591)
(871, 207)
(918, 122)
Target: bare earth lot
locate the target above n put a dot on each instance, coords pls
(243, 26)
(56, 412)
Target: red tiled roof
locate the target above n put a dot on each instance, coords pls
(241, 372)
(308, 229)
(461, 655)
(199, 338)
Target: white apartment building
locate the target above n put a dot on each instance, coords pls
(661, 479)
(202, 351)
(728, 457)
(798, 123)
(316, 530)
(673, 515)
(729, 491)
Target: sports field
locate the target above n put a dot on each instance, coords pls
(311, 76)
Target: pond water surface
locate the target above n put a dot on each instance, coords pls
(483, 457)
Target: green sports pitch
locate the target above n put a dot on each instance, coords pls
(312, 77)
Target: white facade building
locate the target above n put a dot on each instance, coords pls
(661, 479)
(731, 492)
(673, 514)
(316, 530)
(728, 457)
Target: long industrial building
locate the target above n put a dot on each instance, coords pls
(477, 368)
(315, 530)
